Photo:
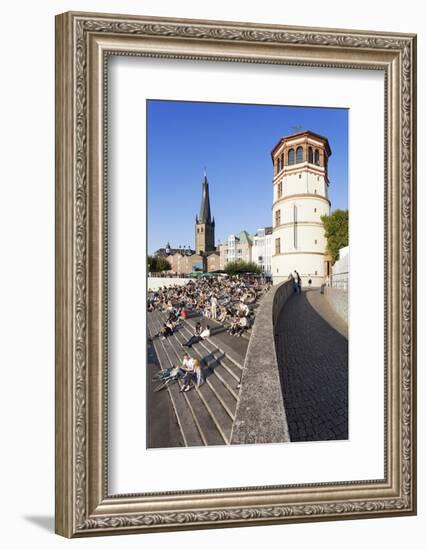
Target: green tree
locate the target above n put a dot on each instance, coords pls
(336, 231)
(158, 263)
(239, 266)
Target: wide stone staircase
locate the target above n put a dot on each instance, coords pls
(204, 415)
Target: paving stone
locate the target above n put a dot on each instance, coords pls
(313, 361)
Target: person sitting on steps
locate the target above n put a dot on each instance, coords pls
(198, 335)
(193, 372)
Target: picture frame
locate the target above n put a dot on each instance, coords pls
(84, 41)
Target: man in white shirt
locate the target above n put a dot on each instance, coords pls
(214, 305)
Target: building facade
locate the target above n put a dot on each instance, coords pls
(262, 249)
(212, 261)
(300, 198)
(183, 263)
(236, 247)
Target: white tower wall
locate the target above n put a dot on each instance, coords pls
(300, 194)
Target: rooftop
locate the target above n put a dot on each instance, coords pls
(305, 133)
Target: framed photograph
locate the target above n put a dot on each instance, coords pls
(235, 274)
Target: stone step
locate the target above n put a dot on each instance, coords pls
(213, 399)
(212, 420)
(232, 366)
(191, 433)
(231, 354)
(215, 376)
(218, 378)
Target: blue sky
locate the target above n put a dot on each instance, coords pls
(233, 142)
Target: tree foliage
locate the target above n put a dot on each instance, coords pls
(336, 231)
(157, 264)
(239, 266)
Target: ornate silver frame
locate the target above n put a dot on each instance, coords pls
(83, 506)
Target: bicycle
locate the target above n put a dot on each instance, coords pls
(167, 376)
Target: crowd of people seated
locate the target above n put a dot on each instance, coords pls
(227, 300)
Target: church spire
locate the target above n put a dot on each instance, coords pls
(205, 225)
(205, 207)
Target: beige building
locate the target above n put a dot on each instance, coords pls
(212, 261)
(236, 247)
(300, 198)
(182, 263)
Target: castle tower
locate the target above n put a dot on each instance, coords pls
(205, 225)
(300, 198)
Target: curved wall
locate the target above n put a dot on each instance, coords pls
(260, 415)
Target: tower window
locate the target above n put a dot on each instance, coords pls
(315, 241)
(299, 154)
(277, 243)
(310, 155)
(278, 166)
(279, 190)
(291, 156)
(277, 217)
(299, 175)
(282, 161)
(317, 157)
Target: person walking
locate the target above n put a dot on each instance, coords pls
(294, 281)
(298, 282)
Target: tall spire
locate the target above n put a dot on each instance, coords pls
(205, 207)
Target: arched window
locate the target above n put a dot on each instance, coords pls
(291, 156)
(299, 155)
(279, 190)
(310, 155)
(317, 157)
(278, 166)
(282, 160)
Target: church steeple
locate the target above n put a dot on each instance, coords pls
(205, 225)
(205, 206)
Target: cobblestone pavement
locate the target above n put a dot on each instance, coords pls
(313, 363)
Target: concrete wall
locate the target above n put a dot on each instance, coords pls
(340, 270)
(154, 283)
(338, 300)
(260, 415)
